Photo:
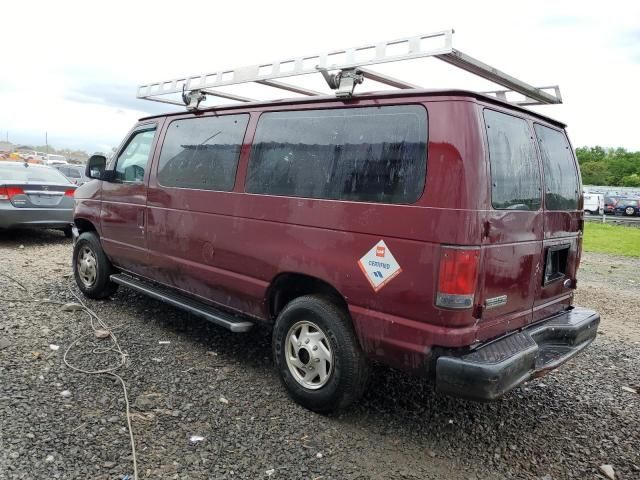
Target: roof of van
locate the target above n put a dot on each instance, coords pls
(370, 95)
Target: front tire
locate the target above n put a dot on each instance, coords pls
(91, 267)
(317, 354)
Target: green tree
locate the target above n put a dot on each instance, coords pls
(615, 167)
(590, 154)
(595, 173)
(631, 180)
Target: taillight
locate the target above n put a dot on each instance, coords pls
(7, 193)
(69, 193)
(457, 277)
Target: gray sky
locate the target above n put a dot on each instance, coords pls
(71, 68)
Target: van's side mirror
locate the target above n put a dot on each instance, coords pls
(96, 166)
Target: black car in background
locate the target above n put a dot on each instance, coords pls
(74, 173)
(35, 196)
(628, 206)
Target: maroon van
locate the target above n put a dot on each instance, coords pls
(438, 232)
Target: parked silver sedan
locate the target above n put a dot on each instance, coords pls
(35, 196)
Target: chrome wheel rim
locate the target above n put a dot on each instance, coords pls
(87, 266)
(629, 210)
(309, 355)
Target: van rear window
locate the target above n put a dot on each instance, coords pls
(370, 154)
(202, 153)
(560, 175)
(515, 172)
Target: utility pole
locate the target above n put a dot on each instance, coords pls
(46, 141)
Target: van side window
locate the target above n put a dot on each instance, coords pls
(132, 161)
(515, 172)
(560, 175)
(202, 152)
(370, 154)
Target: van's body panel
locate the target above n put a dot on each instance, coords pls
(228, 247)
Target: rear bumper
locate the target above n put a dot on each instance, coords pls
(492, 370)
(12, 217)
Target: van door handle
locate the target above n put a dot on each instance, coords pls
(141, 219)
(486, 229)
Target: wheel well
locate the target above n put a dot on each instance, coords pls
(288, 286)
(84, 225)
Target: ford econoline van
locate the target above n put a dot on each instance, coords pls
(438, 232)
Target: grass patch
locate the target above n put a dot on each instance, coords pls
(618, 240)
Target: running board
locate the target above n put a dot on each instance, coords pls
(214, 315)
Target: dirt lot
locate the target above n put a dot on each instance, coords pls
(55, 423)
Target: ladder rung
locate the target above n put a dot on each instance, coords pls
(289, 87)
(387, 79)
(228, 96)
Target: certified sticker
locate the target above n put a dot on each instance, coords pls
(379, 265)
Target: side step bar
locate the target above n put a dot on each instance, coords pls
(214, 315)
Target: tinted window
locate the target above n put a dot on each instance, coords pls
(20, 174)
(515, 174)
(560, 176)
(132, 161)
(202, 152)
(373, 154)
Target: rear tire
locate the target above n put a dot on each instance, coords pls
(313, 336)
(91, 267)
(67, 232)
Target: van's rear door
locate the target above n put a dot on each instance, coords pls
(563, 220)
(513, 233)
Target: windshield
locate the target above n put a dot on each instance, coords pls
(32, 174)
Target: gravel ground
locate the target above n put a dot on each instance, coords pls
(221, 386)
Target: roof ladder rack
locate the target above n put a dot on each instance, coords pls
(349, 67)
